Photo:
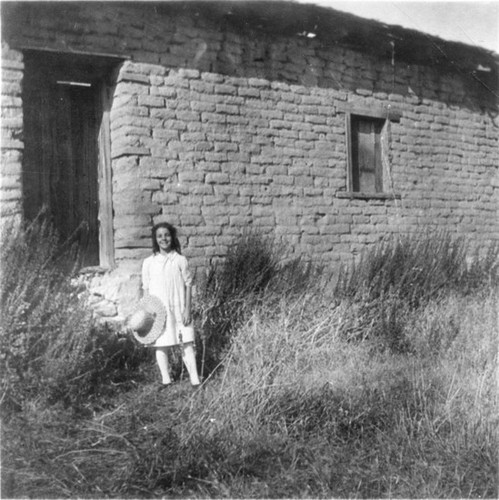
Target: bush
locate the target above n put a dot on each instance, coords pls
(255, 264)
(51, 348)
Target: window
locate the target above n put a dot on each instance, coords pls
(368, 146)
(366, 162)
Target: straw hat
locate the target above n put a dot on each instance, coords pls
(148, 321)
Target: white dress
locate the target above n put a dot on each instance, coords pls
(166, 277)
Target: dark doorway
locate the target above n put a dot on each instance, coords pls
(63, 113)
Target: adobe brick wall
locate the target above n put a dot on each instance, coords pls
(217, 131)
(11, 116)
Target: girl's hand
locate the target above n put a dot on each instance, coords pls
(186, 317)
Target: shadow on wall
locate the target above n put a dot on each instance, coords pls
(330, 48)
(280, 41)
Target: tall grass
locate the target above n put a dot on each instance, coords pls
(305, 403)
(236, 285)
(42, 332)
(404, 273)
(51, 348)
(300, 411)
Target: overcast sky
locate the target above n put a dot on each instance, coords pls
(471, 22)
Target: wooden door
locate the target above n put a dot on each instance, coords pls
(62, 115)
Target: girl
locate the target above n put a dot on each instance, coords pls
(166, 275)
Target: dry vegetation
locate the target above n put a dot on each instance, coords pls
(382, 386)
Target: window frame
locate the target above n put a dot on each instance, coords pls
(374, 113)
(354, 173)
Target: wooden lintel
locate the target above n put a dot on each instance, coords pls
(375, 111)
(65, 51)
(368, 196)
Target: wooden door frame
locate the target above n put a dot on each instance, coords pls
(107, 67)
(105, 182)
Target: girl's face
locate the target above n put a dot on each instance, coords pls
(164, 239)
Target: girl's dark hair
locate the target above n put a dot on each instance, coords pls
(173, 234)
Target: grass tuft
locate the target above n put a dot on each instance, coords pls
(400, 275)
(254, 265)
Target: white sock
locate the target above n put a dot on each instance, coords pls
(189, 358)
(162, 360)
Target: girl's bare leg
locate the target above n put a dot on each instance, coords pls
(189, 358)
(164, 368)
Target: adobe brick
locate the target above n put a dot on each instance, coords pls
(192, 136)
(203, 240)
(236, 120)
(179, 125)
(217, 178)
(11, 102)
(248, 92)
(234, 199)
(188, 116)
(9, 75)
(10, 207)
(163, 153)
(241, 156)
(213, 118)
(166, 92)
(225, 89)
(258, 82)
(201, 190)
(212, 77)
(193, 74)
(228, 109)
(12, 122)
(225, 146)
(240, 220)
(8, 63)
(134, 89)
(201, 86)
(165, 135)
(202, 146)
(126, 76)
(11, 181)
(177, 82)
(202, 106)
(191, 176)
(262, 221)
(10, 168)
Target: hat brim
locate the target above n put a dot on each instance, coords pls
(154, 306)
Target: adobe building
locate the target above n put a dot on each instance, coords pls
(328, 130)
